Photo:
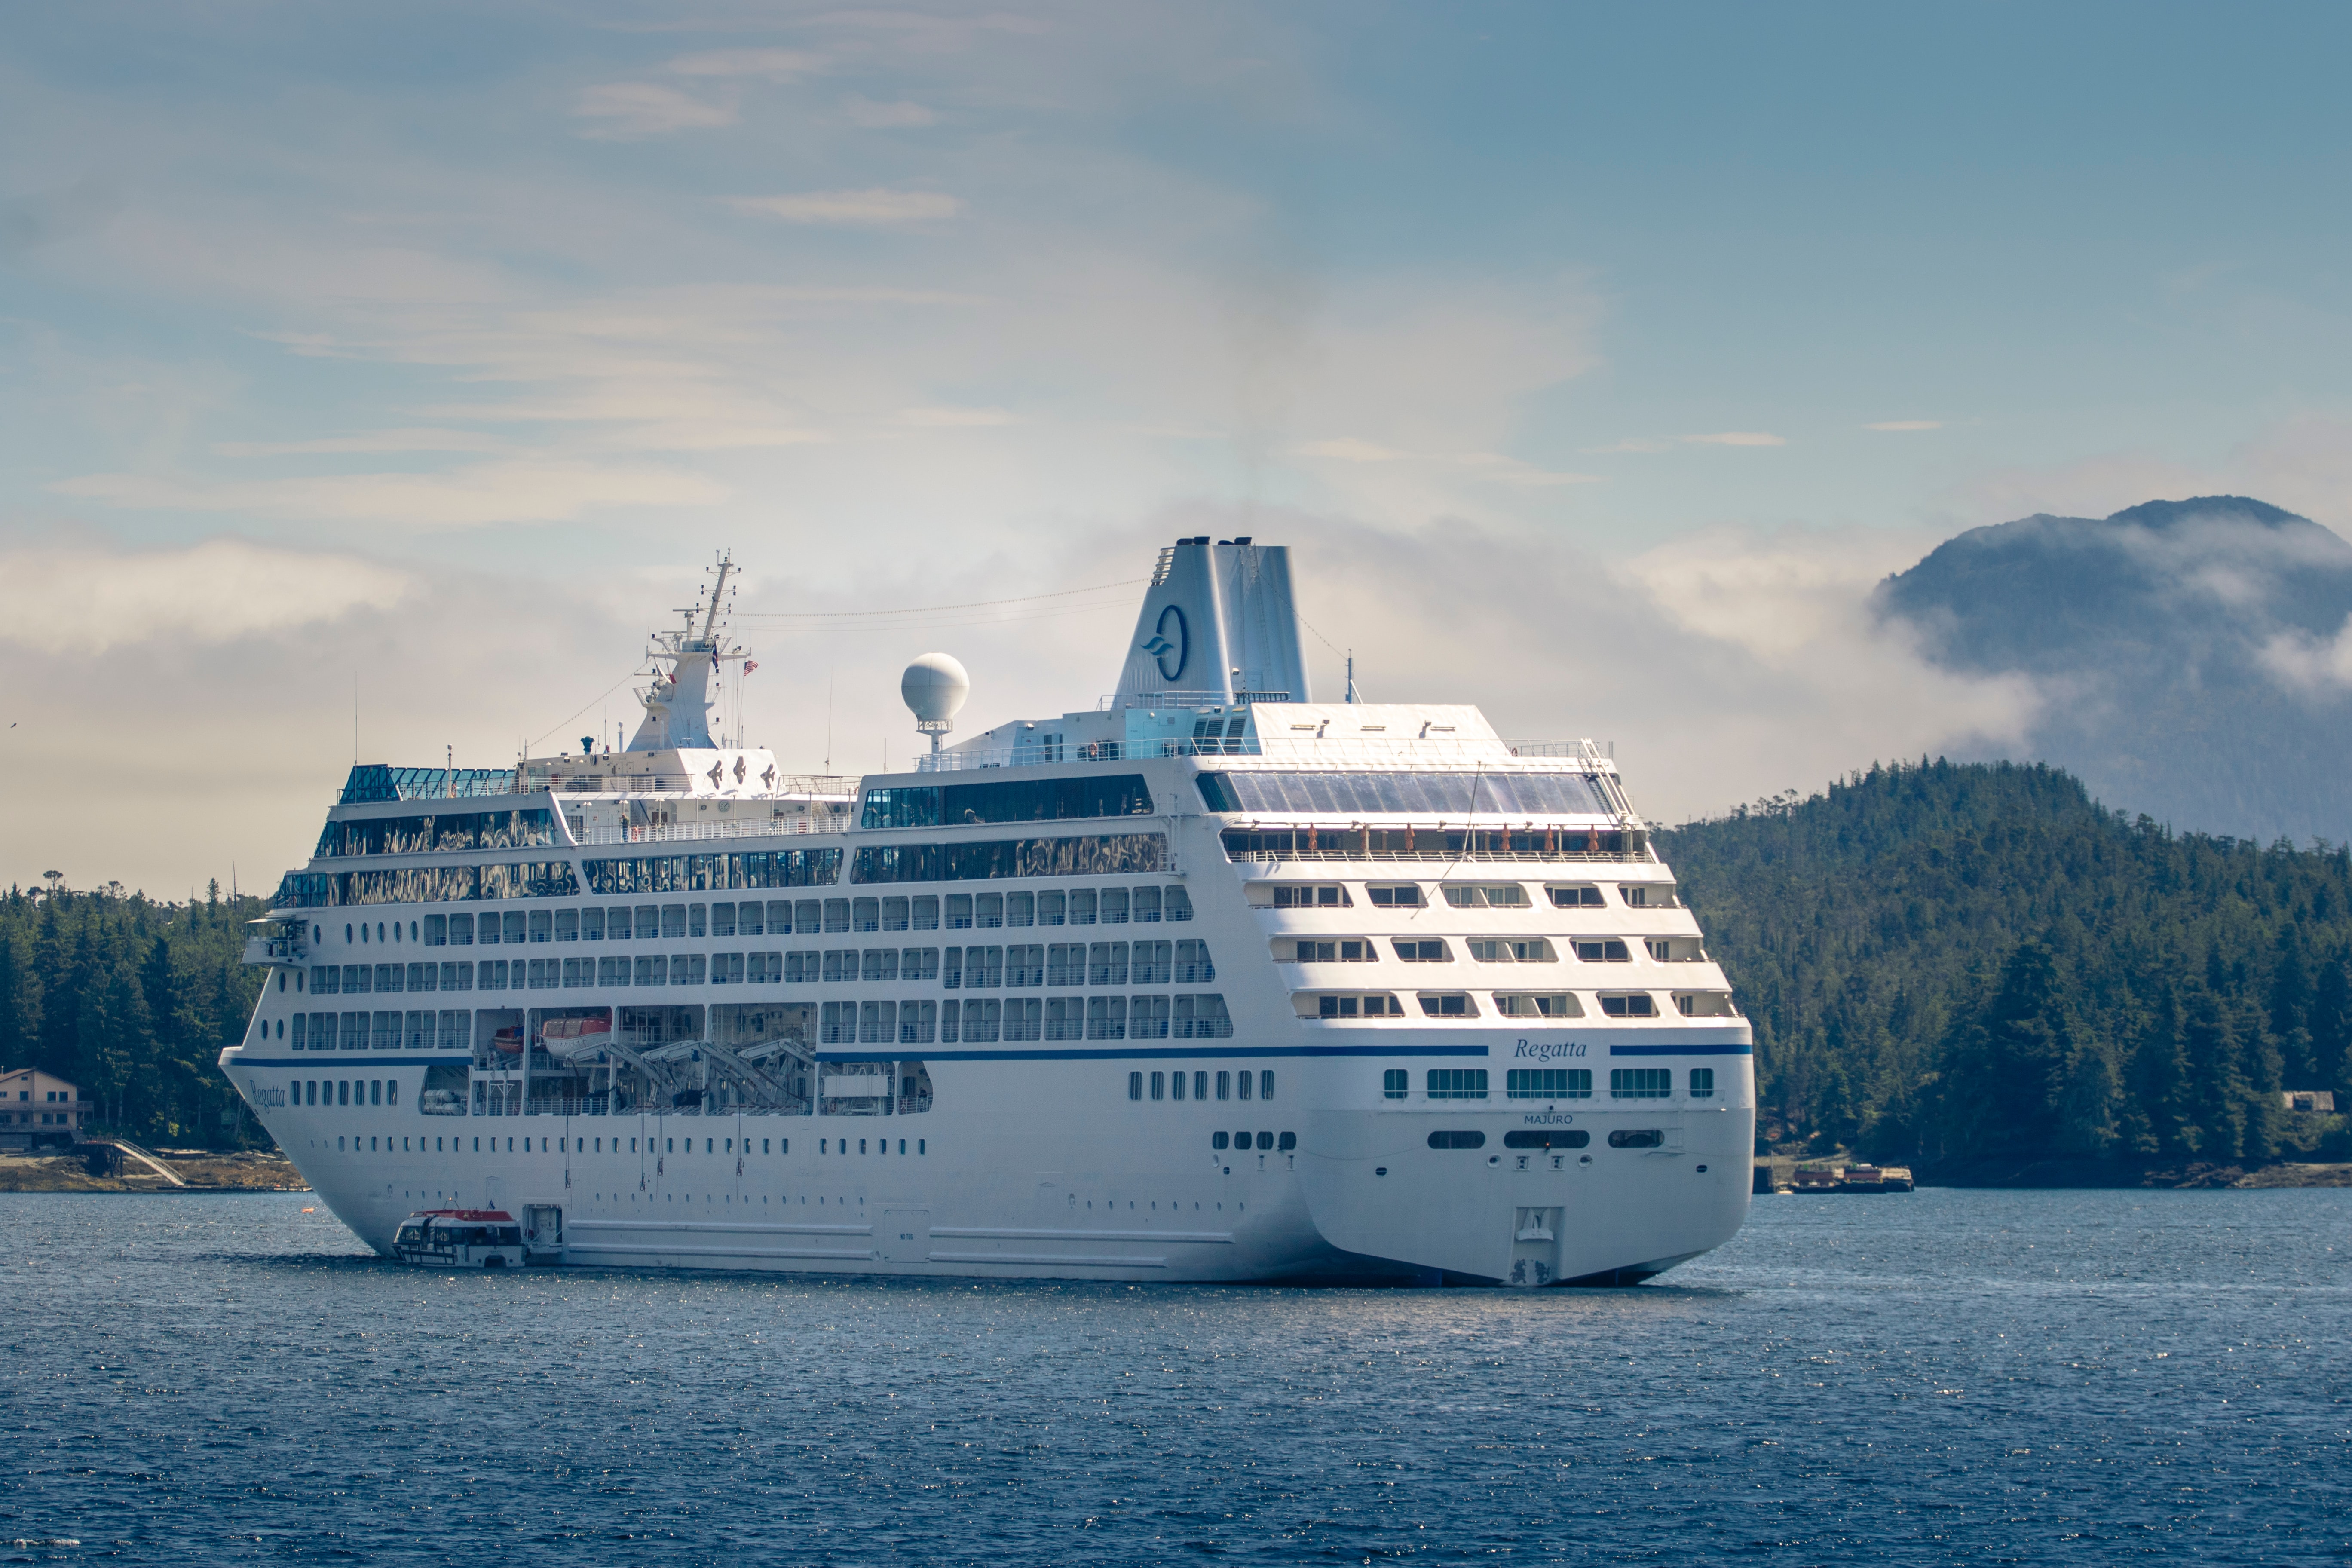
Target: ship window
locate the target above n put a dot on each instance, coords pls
(1135, 1086)
(894, 914)
(1308, 896)
(1702, 1083)
(1548, 1138)
(1633, 1138)
(1114, 906)
(1548, 1083)
(347, 932)
(1178, 1087)
(1602, 949)
(1224, 1086)
(592, 924)
(1395, 1084)
(1220, 1140)
(988, 911)
(1457, 1083)
(865, 914)
(1176, 904)
(1082, 906)
(1146, 905)
(722, 919)
(1640, 1083)
(1447, 1005)
(1457, 1140)
(1247, 1083)
(1159, 1085)
(836, 915)
(1346, 950)
(1287, 1141)
(1429, 951)
(1577, 897)
(926, 913)
(959, 912)
(1555, 1005)
(1051, 909)
(694, 920)
(1407, 897)
(1636, 1006)
(1494, 896)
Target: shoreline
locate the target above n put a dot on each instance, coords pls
(2064, 1175)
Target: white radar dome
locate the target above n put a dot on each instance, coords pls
(935, 686)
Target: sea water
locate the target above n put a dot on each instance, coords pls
(1944, 1378)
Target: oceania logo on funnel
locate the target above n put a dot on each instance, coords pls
(1169, 643)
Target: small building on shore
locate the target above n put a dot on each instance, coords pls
(37, 1109)
(2320, 1100)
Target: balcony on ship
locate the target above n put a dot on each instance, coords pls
(282, 943)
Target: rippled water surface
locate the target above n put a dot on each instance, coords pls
(1947, 1377)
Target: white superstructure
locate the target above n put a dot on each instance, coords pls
(1210, 981)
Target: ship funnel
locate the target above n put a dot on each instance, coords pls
(935, 688)
(1218, 628)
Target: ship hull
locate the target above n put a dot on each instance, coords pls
(1054, 1174)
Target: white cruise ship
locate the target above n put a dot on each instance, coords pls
(1206, 981)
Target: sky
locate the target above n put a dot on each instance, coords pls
(373, 379)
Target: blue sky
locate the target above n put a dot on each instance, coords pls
(436, 350)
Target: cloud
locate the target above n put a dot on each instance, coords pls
(48, 217)
(475, 496)
(1906, 424)
(372, 441)
(627, 111)
(2309, 664)
(220, 591)
(1631, 444)
(1738, 438)
(872, 116)
(955, 418)
(865, 208)
(1492, 465)
(775, 65)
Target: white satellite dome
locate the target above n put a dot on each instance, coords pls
(935, 686)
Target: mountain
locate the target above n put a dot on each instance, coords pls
(1960, 963)
(2194, 656)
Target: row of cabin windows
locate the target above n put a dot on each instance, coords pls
(1512, 1004)
(1184, 1016)
(834, 1146)
(344, 1091)
(787, 917)
(1184, 962)
(1284, 1141)
(1485, 950)
(1553, 1137)
(1461, 896)
(1226, 1084)
(1549, 1083)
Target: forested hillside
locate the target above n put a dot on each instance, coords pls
(1947, 961)
(133, 1001)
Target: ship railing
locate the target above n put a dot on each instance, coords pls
(1035, 755)
(1425, 856)
(751, 828)
(816, 786)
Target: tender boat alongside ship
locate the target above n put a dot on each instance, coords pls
(1206, 981)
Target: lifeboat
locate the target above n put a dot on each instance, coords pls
(509, 1040)
(459, 1238)
(563, 1034)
